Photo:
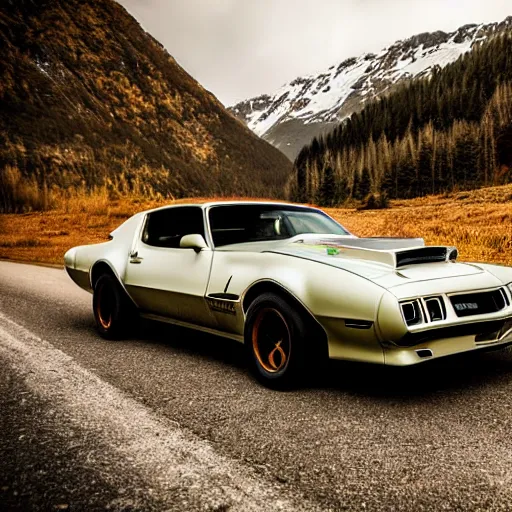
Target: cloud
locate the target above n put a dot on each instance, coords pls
(242, 48)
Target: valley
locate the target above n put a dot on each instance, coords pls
(478, 223)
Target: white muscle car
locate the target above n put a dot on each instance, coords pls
(294, 286)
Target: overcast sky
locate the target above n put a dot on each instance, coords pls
(238, 49)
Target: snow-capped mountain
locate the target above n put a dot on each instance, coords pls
(310, 105)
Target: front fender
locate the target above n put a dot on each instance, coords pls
(338, 300)
(501, 272)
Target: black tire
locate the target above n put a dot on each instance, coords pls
(113, 311)
(275, 339)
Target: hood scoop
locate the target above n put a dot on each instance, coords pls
(425, 255)
(393, 252)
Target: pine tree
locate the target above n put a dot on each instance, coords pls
(365, 184)
(451, 130)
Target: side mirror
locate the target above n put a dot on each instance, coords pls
(195, 242)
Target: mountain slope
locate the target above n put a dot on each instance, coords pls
(88, 98)
(449, 131)
(314, 104)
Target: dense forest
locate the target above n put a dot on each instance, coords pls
(452, 130)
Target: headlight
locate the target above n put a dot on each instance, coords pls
(411, 311)
(435, 308)
(419, 311)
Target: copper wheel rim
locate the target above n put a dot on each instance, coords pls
(104, 306)
(271, 340)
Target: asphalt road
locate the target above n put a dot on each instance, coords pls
(171, 420)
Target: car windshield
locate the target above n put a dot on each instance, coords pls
(236, 224)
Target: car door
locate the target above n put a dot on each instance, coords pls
(163, 278)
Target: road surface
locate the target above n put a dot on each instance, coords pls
(171, 420)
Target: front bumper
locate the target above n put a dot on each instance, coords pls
(441, 347)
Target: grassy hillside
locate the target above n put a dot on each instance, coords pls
(479, 223)
(89, 100)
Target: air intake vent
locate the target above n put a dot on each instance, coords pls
(423, 255)
(470, 304)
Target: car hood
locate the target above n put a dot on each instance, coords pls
(375, 259)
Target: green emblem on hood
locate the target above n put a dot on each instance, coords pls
(332, 251)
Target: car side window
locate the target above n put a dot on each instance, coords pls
(165, 228)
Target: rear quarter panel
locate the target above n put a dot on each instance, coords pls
(80, 260)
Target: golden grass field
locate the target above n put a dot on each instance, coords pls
(479, 223)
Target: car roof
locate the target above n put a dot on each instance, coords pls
(233, 203)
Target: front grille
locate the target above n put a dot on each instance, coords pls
(482, 303)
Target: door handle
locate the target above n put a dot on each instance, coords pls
(134, 258)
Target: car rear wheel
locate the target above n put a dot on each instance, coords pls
(275, 339)
(113, 311)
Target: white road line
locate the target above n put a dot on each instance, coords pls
(156, 450)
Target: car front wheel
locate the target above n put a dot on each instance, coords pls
(275, 340)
